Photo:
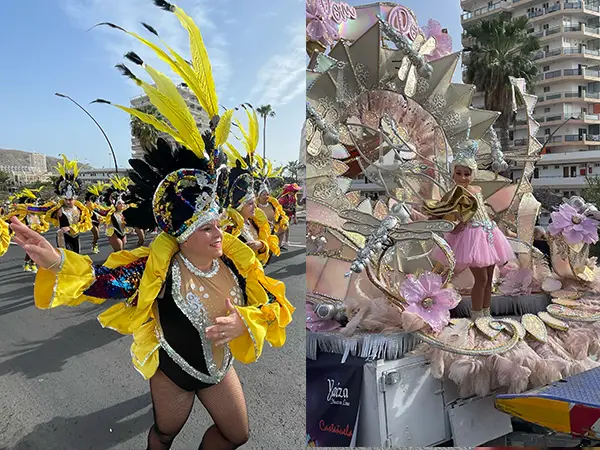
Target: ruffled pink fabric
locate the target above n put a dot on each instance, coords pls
(472, 248)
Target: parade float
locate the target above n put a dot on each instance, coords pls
(389, 347)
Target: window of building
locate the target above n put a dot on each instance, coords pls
(597, 165)
(546, 68)
(546, 88)
(557, 167)
(546, 110)
(565, 172)
(536, 173)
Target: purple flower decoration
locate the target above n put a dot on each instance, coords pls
(320, 26)
(574, 227)
(429, 300)
(443, 40)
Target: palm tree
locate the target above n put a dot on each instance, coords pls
(292, 168)
(502, 48)
(265, 111)
(145, 133)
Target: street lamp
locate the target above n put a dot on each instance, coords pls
(58, 94)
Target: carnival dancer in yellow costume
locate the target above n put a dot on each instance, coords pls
(69, 215)
(244, 219)
(197, 297)
(268, 204)
(97, 211)
(24, 203)
(115, 220)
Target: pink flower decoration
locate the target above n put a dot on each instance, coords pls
(319, 24)
(574, 227)
(443, 40)
(428, 300)
(317, 325)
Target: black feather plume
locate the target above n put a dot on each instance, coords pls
(150, 28)
(125, 71)
(99, 100)
(164, 5)
(134, 58)
(112, 25)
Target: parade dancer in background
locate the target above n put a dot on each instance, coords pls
(94, 192)
(268, 204)
(244, 220)
(115, 220)
(69, 215)
(24, 201)
(288, 201)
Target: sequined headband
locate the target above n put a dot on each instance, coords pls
(205, 206)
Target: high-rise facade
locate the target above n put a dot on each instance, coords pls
(568, 86)
(199, 114)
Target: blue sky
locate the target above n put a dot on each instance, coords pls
(256, 47)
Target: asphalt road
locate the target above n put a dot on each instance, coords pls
(68, 384)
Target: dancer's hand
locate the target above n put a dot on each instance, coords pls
(65, 229)
(226, 328)
(255, 245)
(458, 228)
(37, 247)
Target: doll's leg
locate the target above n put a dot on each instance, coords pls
(487, 300)
(478, 292)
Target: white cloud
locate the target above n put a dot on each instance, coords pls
(129, 13)
(282, 77)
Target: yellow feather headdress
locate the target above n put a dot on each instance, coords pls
(97, 188)
(26, 196)
(164, 94)
(261, 169)
(68, 184)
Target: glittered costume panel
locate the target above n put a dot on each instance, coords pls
(119, 283)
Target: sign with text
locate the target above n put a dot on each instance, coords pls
(333, 394)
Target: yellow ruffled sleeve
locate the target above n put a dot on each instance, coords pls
(282, 222)
(5, 236)
(264, 234)
(268, 312)
(77, 280)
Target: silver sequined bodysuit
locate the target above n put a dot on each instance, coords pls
(482, 219)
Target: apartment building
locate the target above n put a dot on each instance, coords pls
(199, 114)
(568, 86)
(90, 176)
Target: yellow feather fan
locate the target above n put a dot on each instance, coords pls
(164, 94)
(97, 188)
(249, 140)
(67, 167)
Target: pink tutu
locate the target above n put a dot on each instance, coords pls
(472, 248)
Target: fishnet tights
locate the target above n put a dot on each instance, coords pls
(224, 402)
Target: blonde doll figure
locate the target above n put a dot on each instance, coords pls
(477, 242)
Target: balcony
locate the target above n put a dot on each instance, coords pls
(560, 182)
(575, 157)
(564, 6)
(479, 13)
(573, 139)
